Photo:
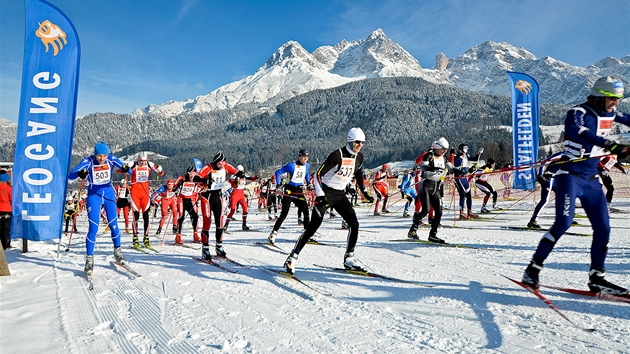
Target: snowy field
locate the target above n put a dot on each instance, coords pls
(180, 305)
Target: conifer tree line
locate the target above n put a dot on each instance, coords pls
(400, 116)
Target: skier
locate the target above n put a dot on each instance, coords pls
(605, 165)
(6, 198)
(213, 176)
(122, 201)
(186, 203)
(506, 180)
(141, 195)
(166, 195)
(381, 188)
(407, 190)
(546, 180)
(237, 196)
(98, 170)
(460, 171)
(434, 168)
(297, 176)
(70, 214)
(586, 128)
(330, 185)
(481, 181)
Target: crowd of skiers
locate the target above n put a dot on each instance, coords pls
(335, 184)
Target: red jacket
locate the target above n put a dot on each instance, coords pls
(6, 196)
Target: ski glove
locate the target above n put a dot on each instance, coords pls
(124, 169)
(82, 174)
(541, 179)
(368, 197)
(622, 151)
(159, 169)
(480, 151)
(322, 201)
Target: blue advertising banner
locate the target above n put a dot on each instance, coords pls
(48, 102)
(525, 121)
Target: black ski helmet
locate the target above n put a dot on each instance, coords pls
(490, 161)
(218, 157)
(303, 152)
(190, 169)
(461, 148)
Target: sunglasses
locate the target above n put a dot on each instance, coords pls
(358, 142)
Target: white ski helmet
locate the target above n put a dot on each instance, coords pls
(356, 134)
(441, 143)
(143, 156)
(240, 168)
(608, 86)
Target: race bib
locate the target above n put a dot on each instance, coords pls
(187, 189)
(218, 180)
(142, 174)
(101, 174)
(122, 192)
(299, 174)
(604, 125)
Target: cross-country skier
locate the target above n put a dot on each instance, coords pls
(213, 176)
(237, 196)
(298, 178)
(186, 203)
(586, 129)
(408, 190)
(481, 181)
(381, 188)
(547, 184)
(122, 201)
(98, 170)
(460, 171)
(330, 186)
(434, 167)
(167, 197)
(140, 193)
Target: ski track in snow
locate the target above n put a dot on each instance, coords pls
(180, 305)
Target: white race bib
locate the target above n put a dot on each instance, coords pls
(101, 174)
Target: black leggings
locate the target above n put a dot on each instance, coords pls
(430, 194)
(342, 205)
(286, 205)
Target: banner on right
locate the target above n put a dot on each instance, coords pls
(525, 121)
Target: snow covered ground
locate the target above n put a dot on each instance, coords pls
(180, 305)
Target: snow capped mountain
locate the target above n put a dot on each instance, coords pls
(9, 130)
(292, 71)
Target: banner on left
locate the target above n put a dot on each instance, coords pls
(48, 102)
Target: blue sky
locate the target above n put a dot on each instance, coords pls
(136, 53)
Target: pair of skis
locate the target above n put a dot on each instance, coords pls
(125, 267)
(600, 295)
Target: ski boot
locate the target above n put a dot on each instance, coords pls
(146, 241)
(118, 256)
(135, 241)
(219, 250)
(352, 263)
(533, 225)
(598, 284)
(385, 211)
(472, 215)
(413, 234)
(245, 227)
(174, 229)
(300, 221)
(406, 214)
(433, 238)
(89, 265)
(205, 253)
(127, 230)
(484, 209)
(289, 264)
(530, 277)
(344, 225)
(158, 232)
(463, 215)
(196, 238)
(272, 237)
(178, 239)
(496, 207)
(376, 213)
